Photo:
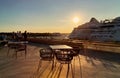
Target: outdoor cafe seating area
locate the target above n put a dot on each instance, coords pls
(23, 59)
(53, 54)
(58, 56)
(62, 54)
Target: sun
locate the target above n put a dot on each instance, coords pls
(75, 19)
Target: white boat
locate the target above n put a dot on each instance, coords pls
(107, 30)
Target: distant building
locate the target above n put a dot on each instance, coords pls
(107, 30)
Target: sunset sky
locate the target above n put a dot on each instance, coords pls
(53, 15)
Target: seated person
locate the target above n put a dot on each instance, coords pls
(1, 37)
(3, 40)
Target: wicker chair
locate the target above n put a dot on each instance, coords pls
(65, 57)
(46, 54)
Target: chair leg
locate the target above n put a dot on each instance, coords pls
(25, 50)
(52, 65)
(74, 65)
(16, 54)
(61, 66)
(80, 65)
(8, 51)
(25, 53)
(72, 71)
(68, 70)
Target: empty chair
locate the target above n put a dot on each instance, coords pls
(46, 54)
(77, 48)
(75, 52)
(65, 57)
(21, 47)
(17, 48)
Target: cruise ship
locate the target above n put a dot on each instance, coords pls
(106, 30)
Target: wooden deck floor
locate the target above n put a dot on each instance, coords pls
(90, 65)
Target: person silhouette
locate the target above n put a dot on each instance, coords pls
(25, 35)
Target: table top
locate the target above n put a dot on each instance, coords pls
(60, 47)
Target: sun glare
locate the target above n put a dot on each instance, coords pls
(75, 19)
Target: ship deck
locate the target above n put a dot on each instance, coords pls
(91, 64)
